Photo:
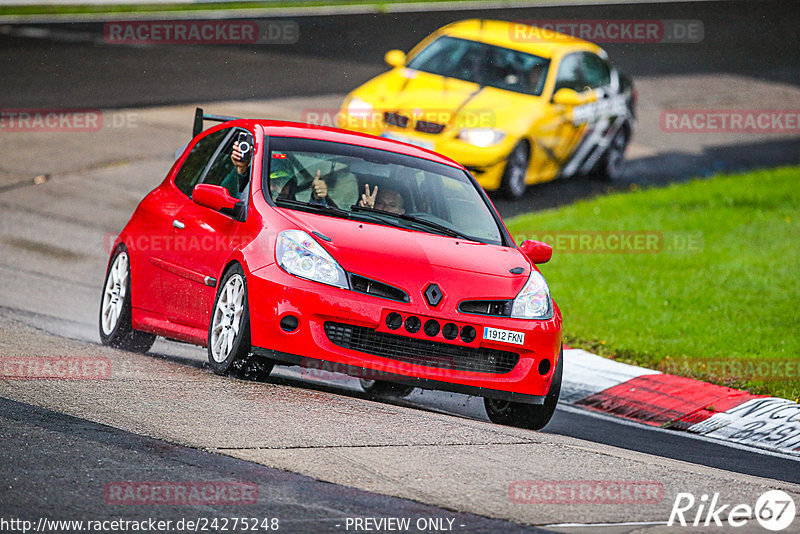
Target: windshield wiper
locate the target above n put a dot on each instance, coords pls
(446, 230)
(313, 206)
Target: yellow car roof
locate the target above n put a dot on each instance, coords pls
(502, 33)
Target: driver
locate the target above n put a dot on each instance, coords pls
(316, 181)
(384, 200)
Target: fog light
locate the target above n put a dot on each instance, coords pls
(394, 321)
(467, 334)
(450, 331)
(544, 367)
(413, 324)
(289, 323)
(431, 327)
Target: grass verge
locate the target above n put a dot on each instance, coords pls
(706, 288)
(76, 8)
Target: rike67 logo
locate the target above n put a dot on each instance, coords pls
(774, 510)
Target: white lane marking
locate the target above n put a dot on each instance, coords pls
(592, 525)
(685, 435)
(768, 422)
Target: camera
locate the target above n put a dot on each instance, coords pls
(244, 146)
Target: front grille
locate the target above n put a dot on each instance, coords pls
(497, 308)
(395, 119)
(420, 351)
(429, 127)
(377, 289)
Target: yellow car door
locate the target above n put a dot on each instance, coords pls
(558, 132)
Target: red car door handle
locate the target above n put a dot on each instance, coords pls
(178, 224)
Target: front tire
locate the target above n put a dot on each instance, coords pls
(513, 182)
(115, 322)
(229, 330)
(531, 416)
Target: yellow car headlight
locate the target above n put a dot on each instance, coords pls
(359, 109)
(481, 137)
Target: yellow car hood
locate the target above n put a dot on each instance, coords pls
(435, 98)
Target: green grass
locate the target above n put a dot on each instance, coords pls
(76, 7)
(733, 296)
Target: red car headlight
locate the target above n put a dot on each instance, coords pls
(534, 301)
(299, 254)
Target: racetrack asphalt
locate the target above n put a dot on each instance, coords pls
(52, 257)
(431, 448)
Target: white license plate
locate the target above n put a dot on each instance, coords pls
(504, 336)
(410, 140)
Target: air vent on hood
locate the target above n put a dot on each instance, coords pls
(497, 308)
(429, 127)
(395, 119)
(377, 289)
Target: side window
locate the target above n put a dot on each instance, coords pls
(570, 74)
(222, 170)
(596, 71)
(192, 169)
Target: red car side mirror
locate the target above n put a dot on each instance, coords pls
(537, 251)
(215, 197)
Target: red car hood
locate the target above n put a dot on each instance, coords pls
(411, 258)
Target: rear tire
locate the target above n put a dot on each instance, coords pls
(513, 183)
(611, 166)
(115, 322)
(229, 331)
(380, 388)
(532, 416)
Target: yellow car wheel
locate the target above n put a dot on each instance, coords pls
(513, 184)
(612, 165)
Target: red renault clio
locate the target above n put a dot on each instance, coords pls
(275, 243)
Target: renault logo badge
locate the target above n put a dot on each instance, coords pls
(433, 295)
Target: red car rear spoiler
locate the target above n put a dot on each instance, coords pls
(199, 117)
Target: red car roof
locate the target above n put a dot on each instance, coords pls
(336, 135)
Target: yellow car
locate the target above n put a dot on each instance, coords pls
(514, 104)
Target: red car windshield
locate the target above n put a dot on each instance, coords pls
(378, 186)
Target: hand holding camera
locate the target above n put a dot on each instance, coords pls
(242, 153)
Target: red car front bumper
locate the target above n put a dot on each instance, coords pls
(300, 322)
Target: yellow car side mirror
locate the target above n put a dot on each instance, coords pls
(568, 97)
(395, 58)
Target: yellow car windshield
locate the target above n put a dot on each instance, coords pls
(484, 64)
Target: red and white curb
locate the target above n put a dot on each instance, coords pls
(673, 402)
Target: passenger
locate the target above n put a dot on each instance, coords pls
(385, 200)
(236, 181)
